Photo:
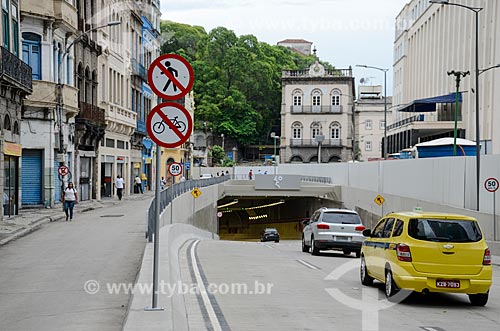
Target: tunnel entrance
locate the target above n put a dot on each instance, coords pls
(244, 218)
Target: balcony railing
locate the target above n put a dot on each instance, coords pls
(139, 70)
(91, 113)
(15, 71)
(316, 109)
(313, 143)
(306, 73)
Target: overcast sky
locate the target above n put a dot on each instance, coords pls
(345, 32)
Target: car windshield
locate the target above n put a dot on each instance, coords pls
(341, 218)
(271, 230)
(444, 230)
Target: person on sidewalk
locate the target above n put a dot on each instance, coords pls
(138, 185)
(70, 198)
(119, 183)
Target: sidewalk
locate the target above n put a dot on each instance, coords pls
(31, 219)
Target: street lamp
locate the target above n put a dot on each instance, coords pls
(385, 103)
(59, 86)
(458, 76)
(476, 11)
(275, 137)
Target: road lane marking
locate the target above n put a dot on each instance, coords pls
(203, 291)
(431, 328)
(309, 265)
(268, 246)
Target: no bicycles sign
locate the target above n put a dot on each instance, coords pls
(169, 124)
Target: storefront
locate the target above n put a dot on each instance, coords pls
(12, 153)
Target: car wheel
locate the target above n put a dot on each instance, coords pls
(346, 252)
(479, 300)
(365, 278)
(305, 248)
(314, 249)
(390, 287)
(358, 254)
(276, 241)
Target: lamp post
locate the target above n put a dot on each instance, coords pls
(59, 87)
(274, 136)
(476, 11)
(458, 76)
(385, 103)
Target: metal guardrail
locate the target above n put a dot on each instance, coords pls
(172, 192)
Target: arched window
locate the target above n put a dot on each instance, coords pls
(32, 53)
(297, 130)
(316, 101)
(335, 131)
(6, 122)
(335, 98)
(79, 82)
(315, 130)
(88, 88)
(16, 127)
(296, 159)
(297, 98)
(94, 87)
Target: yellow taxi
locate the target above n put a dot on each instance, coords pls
(428, 252)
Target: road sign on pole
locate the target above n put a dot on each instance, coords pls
(169, 124)
(491, 185)
(175, 169)
(63, 170)
(171, 76)
(379, 200)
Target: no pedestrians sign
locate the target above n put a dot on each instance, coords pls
(171, 76)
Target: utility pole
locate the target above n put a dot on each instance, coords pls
(458, 76)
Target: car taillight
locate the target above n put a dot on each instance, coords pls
(403, 252)
(487, 257)
(359, 228)
(323, 226)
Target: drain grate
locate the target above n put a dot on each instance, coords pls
(120, 215)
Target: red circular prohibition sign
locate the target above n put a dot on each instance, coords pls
(169, 125)
(157, 63)
(486, 185)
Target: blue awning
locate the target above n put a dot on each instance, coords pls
(429, 104)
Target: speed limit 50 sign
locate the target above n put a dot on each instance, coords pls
(175, 169)
(491, 185)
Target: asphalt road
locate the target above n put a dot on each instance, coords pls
(314, 293)
(43, 275)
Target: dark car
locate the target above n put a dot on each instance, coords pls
(270, 234)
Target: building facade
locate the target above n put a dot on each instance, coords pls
(369, 122)
(431, 40)
(15, 85)
(299, 45)
(317, 115)
(48, 29)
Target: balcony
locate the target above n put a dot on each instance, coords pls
(120, 115)
(40, 8)
(316, 109)
(91, 113)
(139, 70)
(65, 14)
(45, 96)
(14, 71)
(313, 143)
(306, 73)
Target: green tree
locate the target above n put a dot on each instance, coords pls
(217, 154)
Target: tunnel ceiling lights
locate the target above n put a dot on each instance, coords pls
(229, 204)
(250, 208)
(257, 217)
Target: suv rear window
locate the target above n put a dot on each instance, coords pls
(444, 230)
(270, 230)
(341, 218)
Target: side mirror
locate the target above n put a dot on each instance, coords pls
(306, 222)
(367, 232)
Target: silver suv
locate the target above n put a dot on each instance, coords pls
(332, 228)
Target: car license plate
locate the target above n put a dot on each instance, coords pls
(448, 283)
(341, 238)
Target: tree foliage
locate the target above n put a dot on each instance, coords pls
(237, 85)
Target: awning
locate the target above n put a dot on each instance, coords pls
(429, 104)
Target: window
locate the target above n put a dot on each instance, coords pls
(379, 229)
(315, 130)
(335, 99)
(316, 98)
(110, 143)
(368, 146)
(368, 124)
(120, 144)
(444, 230)
(31, 53)
(381, 125)
(6, 24)
(398, 228)
(15, 30)
(297, 130)
(388, 228)
(297, 98)
(335, 131)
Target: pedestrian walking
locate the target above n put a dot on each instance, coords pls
(70, 198)
(183, 179)
(138, 184)
(163, 183)
(250, 174)
(120, 184)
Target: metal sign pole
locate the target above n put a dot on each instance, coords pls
(494, 218)
(157, 232)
